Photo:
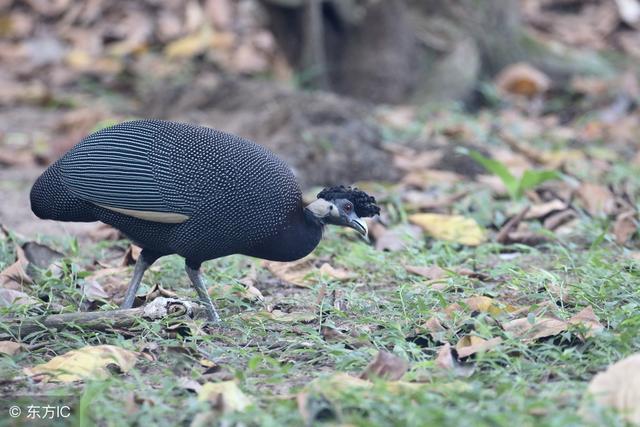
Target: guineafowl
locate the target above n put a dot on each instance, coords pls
(176, 188)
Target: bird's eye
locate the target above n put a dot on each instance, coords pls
(348, 207)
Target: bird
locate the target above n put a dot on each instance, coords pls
(194, 191)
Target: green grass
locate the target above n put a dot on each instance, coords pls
(514, 384)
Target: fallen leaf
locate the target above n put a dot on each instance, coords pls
(9, 297)
(113, 281)
(540, 328)
(617, 388)
(89, 362)
(541, 210)
(432, 272)
(391, 240)
(471, 344)
(339, 274)
(92, 290)
(292, 317)
(189, 384)
(526, 237)
(428, 201)
(40, 255)
(558, 219)
(103, 232)
(546, 327)
(247, 292)
(296, 273)
(447, 360)
(433, 326)
(587, 318)
(597, 199)
(522, 79)
(16, 273)
(131, 255)
(625, 227)
(225, 396)
(426, 178)
(455, 228)
(480, 304)
(10, 348)
(436, 273)
(189, 45)
(386, 366)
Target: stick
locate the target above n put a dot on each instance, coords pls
(159, 308)
(503, 234)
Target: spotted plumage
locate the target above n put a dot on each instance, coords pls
(175, 188)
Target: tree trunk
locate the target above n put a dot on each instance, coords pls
(409, 50)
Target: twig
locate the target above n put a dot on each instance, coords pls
(99, 320)
(503, 234)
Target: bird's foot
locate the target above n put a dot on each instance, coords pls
(212, 313)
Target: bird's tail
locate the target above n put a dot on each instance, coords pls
(50, 199)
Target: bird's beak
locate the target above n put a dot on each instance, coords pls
(359, 225)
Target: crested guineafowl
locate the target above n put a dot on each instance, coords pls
(176, 188)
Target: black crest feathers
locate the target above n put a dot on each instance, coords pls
(364, 204)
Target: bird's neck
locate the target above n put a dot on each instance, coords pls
(297, 240)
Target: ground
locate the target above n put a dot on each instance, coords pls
(298, 341)
(499, 283)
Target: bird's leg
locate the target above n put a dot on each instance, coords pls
(145, 259)
(193, 271)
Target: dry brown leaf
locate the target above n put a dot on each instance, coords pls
(625, 227)
(455, 228)
(546, 327)
(189, 45)
(412, 161)
(248, 292)
(16, 273)
(559, 219)
(9, 297)
(480, 304)
(429, 201)
(113, 281)
(526, 237)
(597, 199)
(617, 388)
(296, 272)
(92, 290)
(292, 317)
(471, 344)
(447, 360)
(339, 274)
(398, 116)
(226, 396)
(131, 255)
(541, 210)
(522, 79)
(391, 240)
(299, 272)
(386, 366)
(104, 232)
(424, 179)
(587, 318)
(89, 362)
(541, 328)
(432, 272)
(220, 12)
(10, 348)
(433, 326)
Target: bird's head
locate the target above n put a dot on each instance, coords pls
(343, 206)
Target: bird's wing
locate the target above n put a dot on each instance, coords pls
(113, 169)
